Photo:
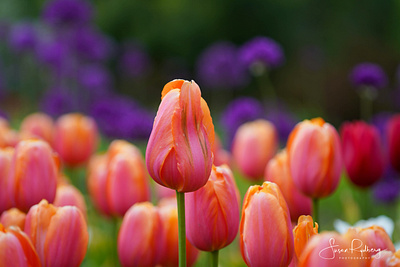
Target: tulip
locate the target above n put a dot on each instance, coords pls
(13, 217)
(266, 237)
(163, 192)
(118, 179)
(221, 156)
(59, 234)
(362, 153)
(38, 125)
(69, 195)
(5, 178)
(386, 258)
(34, 171)
(8, 137)
(393, 137)
(278, 172)
(16, 250)
(254, 144)
(303, 232)
(169, 251)
(76, 138)
(139, 238)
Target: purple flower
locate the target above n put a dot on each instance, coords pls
(368, 74)
(388, 189)
(283, 120)
(219, 67)
(134, 61)
(55, 54)
(22, 38)
(91, 45)
(57, 102)
(69, 13)
(95, 78)
(262, 50)
(238, 112)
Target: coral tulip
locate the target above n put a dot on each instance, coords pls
(5, 178)
(302, 233)
(139, 238)
(212, 212)
(76, 138)
(69, 195)
(393, 137)
(255, 143)
(278, 172)
(13, 217)
(34, 171)
(38, 125)
(362, 153)
(16, 250)
(59, 234)
(8, 137)
(386, 258)
(315, 157)
(118, 179)
(221, 156)
(266, 237)
(178, 153)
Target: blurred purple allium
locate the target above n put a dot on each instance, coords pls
(57, 102)
(68, 13)
(22, 38)
(262, 50)
(92, 45)
(388, 188)
(219, 67)
(55, 54)
(380, 120)
(134, 61)
(239, 111)
(95, 78)
(283, 120)
(368, 74)
(120, 117)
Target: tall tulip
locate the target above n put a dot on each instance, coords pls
(254, 144)
(363, 154)
(38, 125)
(13, 217)
(178, 153)
(266, 237)
(16, 250)
(5, 178)
(303, 232)
(393, 137)
(59, 234)
(76, 138)
(278, 172)
(118, 179)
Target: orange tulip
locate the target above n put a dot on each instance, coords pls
(386, 258)
(255, 143)
(302, 233)
(139, 237)
(178, 153)
(76, 138)
(69, 195)
(59, 234)
(315, 157)
(34, 171)
(278, 172)
(266, 237)
(16, 250)
(118, 179)
(13, 217)
(38, 125)
(5, 178)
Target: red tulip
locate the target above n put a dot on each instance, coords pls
(266, 237)
(178, 153)
(278, 172)
(5, 179)
(38, 125)
(76, 138)
(362, 153)
(59, 234)
(13, 217)
(212, 212)
(315, 157)
(16, 249)
(393, 137)
(255, 143)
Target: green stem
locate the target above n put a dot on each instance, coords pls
(367, 97)
(115, 241)
(214, 258)
(180, 198)
(315, 211)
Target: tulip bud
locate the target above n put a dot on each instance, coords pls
(118, 179)
(302, 233)
(59, 234)
(393, 137)
(16, 250)
(13, 217)
(278, 172)
(255, 143)
(38, 125)
(266, 237)
(139, 242)
(5, 179)
(34, 173)
(386, 258)
(212, 212)
(69, 195)
(315, 157)
(178, 153)
(76, 138)
(362, 153)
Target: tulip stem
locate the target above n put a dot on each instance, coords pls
(180, 198)
(214, 258)
(315, 211)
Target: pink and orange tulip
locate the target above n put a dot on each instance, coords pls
(59, 234)
(38, 125)
(315, 157)
(178, 154)
(278, 172)
(255, 143)
(266, 237)
(69, 195)
(386, 258)
(393, 139)
(212, 212)
(8, 136)
(13, 217)
(5, 178)
(303, 232)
